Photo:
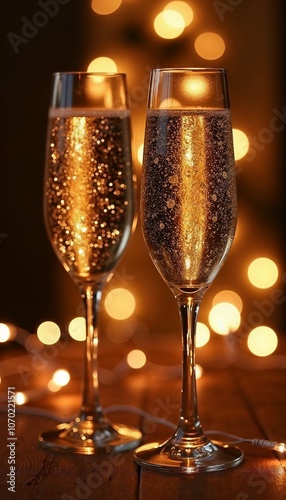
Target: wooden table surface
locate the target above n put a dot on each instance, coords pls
(242, 395)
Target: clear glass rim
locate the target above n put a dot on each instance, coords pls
(87, 73)
(189, 69)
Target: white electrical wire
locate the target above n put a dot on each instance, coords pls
(263, 443)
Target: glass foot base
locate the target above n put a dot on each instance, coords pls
(85, 438)
(207, 458)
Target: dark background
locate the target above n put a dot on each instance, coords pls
(33, 285)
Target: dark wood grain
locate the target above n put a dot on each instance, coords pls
(250, 403)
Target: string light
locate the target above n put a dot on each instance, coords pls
(77, 328)
(140, 153)
(196, 87)
(262, 443)
(48, 332)
(169, 24)
(106, 7)
(4, 332)
(209, 46)
(170, 103)
(136, 358)
(262, 341)
(53, 387)
(272, 445)
(281, 447)
(61, 377)
(199, 371)
(119, 303)
(240, 144)
(20, 398)
(224, 318)
(228, 296)
(202, 334)
(277, 446)
(183, 8)
(102, 64)
(262, 272)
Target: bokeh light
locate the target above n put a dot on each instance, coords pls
(105, 7)
(262, 341)
(199, 371)
(262, 272)
(48, 332)
(169, 24)
(4, 332)
(140, 152)
(61, 377)
(196, 86)
(136, 359)
(170, 102)
(20, 398)
(228, 296)
(53, 387)
(183, 8)
(240, 143)
(119, 303)
(224, 318)
(209, 46)
(202, 334)
(102, 65)
(77, 328)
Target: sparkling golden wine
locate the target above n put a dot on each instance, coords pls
(89, 212)
(189, 206)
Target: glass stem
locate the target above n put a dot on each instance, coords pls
(91, 409)
(189, 422)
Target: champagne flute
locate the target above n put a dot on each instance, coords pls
(189, 210)
(89, 216)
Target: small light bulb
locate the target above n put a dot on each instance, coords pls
(281, 447)
(20, 398)
(271, 445)
(61, 377)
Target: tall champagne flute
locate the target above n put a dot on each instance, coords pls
(189, 210)
(89, 215)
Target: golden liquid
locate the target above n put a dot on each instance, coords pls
(188, 194)
(89, 190)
